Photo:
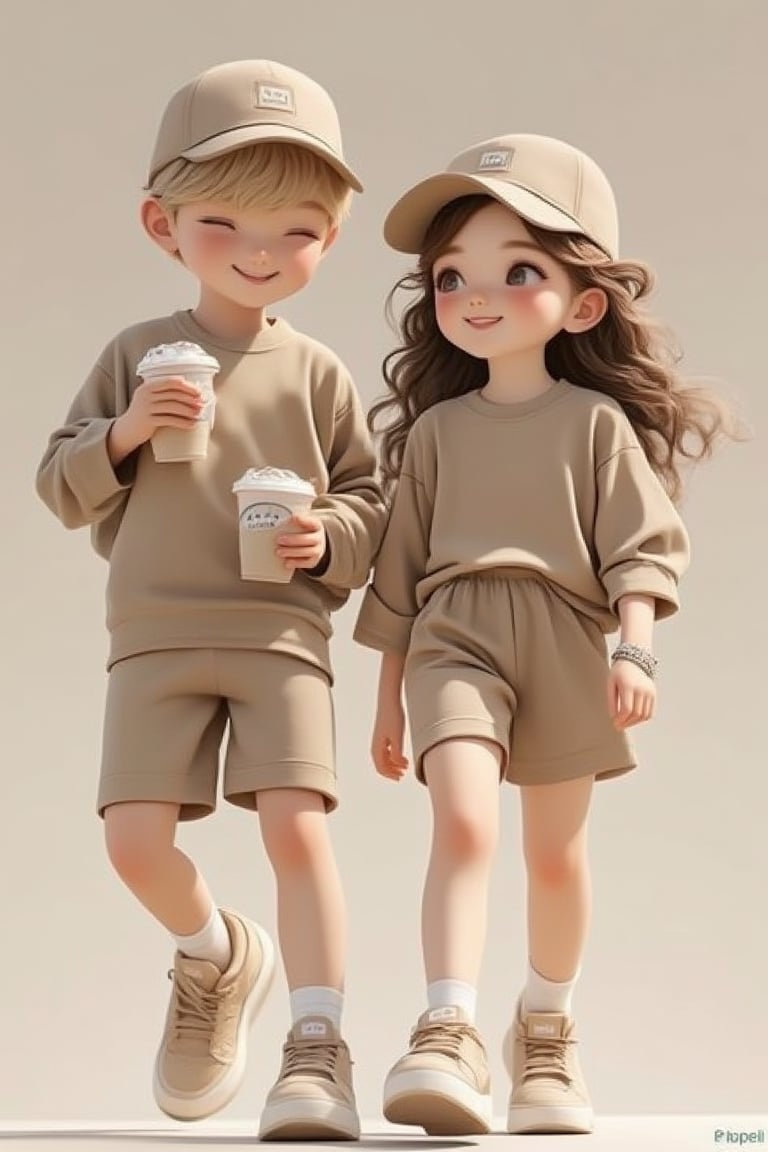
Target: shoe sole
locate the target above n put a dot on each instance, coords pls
(553, 1118)
(438, 1103)
(201, 1105)
(308, 1120)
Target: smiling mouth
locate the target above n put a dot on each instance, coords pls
(482, 321)
(254, 279)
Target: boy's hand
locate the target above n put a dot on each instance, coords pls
(168, 403)
(631, 695)
(387, 740)
(304, 546)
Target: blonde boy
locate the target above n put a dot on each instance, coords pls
(247, 188)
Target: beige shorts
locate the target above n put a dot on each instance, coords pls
(503, 658)
(167, 713)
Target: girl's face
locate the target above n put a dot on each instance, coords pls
(497, 294)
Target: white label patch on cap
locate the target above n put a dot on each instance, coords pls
(498, 161)
(274, 96)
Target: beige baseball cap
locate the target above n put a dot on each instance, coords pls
(245, 102)
(546, 181)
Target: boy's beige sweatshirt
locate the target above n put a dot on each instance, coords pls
(557, 487)
(170, 531)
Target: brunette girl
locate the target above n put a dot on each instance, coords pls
(532, 442)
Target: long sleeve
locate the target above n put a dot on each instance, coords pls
(75, 477)
(389, 605)
(170, 531)
(642, 545)
(352, 509)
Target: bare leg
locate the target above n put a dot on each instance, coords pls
(463, 781)
(140, 844)
(548, 1090)
(442, 1082)
(311, 914)
(559, 892)
(188, 1082)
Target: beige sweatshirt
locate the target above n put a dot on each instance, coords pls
(556, 486)
(170, 531)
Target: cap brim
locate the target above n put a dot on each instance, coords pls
(406, 224)
(260, 133)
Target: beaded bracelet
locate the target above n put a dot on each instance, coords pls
(636, 655)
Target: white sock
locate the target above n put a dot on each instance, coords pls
(452, 994)
(212, 942)
(315, 1000)
(542, 995)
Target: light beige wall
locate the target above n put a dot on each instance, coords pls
(671, 99)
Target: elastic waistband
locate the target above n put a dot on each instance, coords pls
(503, 573)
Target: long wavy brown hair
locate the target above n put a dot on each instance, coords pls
(627, 355)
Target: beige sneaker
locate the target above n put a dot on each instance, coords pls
(201, 1060)
(548, 1090)
(442, 1083)
(313, 1097)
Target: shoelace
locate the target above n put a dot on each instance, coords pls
(546, 1057)
(196, 1009)
(442, 1038)
(312, 1057)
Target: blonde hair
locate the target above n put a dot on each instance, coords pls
(269, 175)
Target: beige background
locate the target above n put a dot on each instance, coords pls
(670, 98)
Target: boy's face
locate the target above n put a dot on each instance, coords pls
(246, 257)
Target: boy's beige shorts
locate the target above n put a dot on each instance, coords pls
(504, 658)
(167, 713)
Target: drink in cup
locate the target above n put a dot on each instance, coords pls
(193, 363)
(266, 499)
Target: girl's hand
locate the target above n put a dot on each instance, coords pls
(387, 741)
(631, 695)
(304, 547)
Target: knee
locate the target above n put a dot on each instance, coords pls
(465, 837)
(135, 854)
(294, 844)
(555, 865)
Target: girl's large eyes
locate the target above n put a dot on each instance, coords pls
(448, 280)
(523, 275)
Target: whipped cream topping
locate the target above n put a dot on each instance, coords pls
(274, 479)
(181, 354)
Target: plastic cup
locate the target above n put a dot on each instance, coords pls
(171, 445)
(266, 500)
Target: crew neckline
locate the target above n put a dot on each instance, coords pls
(516, 409)
(275, 332)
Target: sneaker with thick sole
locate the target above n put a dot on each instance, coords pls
(548, 1090)
(201, 1060)
(313, 1097)
(442, 1083)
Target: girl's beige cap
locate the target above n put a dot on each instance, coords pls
(246, 102)
(546, 181)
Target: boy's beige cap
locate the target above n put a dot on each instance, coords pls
(246, 102)
(546, 181)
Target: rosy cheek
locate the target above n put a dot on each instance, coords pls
(524, 299)
(534, 303)
(216, 241)
(306, 260)
(448, 310)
